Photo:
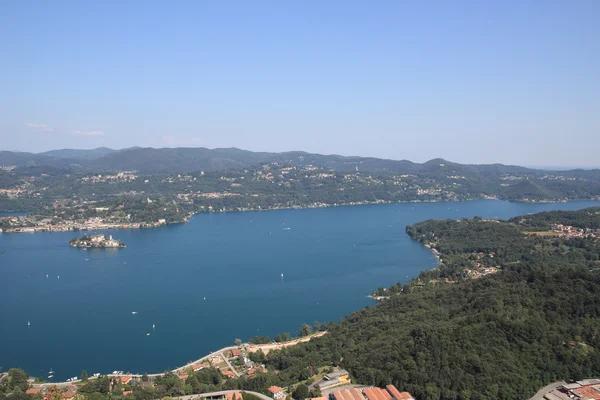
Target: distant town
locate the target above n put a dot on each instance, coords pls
(127, 199)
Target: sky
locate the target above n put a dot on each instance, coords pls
(516, 82)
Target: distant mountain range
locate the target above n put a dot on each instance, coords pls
(171, 160)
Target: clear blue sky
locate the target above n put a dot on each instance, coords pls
(474, 81)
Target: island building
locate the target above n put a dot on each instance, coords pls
(99, 241)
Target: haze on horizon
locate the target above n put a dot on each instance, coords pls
(514, 82)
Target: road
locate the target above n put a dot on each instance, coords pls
(229, 364)
(553, 386)
(221, 393)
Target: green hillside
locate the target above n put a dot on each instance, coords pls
(502, 336)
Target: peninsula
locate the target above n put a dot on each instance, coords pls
(97, 241)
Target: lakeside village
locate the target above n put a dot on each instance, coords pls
(231, 362)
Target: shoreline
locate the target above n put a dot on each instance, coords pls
(249, 347)
(150, 225)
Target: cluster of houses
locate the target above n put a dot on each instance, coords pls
(70, 392)
(126, 176)
(67, 394)
(587, 389)
(569, 232)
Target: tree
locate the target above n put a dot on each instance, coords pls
(18, 394)
(238, 342)
(40, 379)
(305, 330)
(18, 379)
(286, 337)
(145, 378)
(84, 376)
(317, 326)
(301, 392)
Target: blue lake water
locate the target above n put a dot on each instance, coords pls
(81, 315)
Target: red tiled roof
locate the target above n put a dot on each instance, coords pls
(382, 393)
(229, 396)
(127, 392)
(69, 394)
(346, 394)
(275, 389)
(356, 394)
(394, 392)
(236, 352)
(337, 395)
(227, 373)
(588, 393)
(369, 394)
(182, 377)
(33, 390)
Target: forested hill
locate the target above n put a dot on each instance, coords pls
(183, 160)
(532, 320)
(292, 179)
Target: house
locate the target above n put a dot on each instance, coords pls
(236, 353)
(228, 373)
(342, 376)
(347, 394)
(33, 391)
(146, 385)
(125, 379)
(199, 366)
(377, 394)
(396, 394)
(277, 392)
(182, 377)
(337, 378)
(127, 392)
(230, 396)
(68, 395)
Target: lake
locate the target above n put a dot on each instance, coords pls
(205, 283)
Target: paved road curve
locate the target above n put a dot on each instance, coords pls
(553, 386)
(221, 393)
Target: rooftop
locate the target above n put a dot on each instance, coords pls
(275, 389)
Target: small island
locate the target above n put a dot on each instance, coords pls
(97, 241)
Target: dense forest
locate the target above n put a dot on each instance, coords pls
(503, 335)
